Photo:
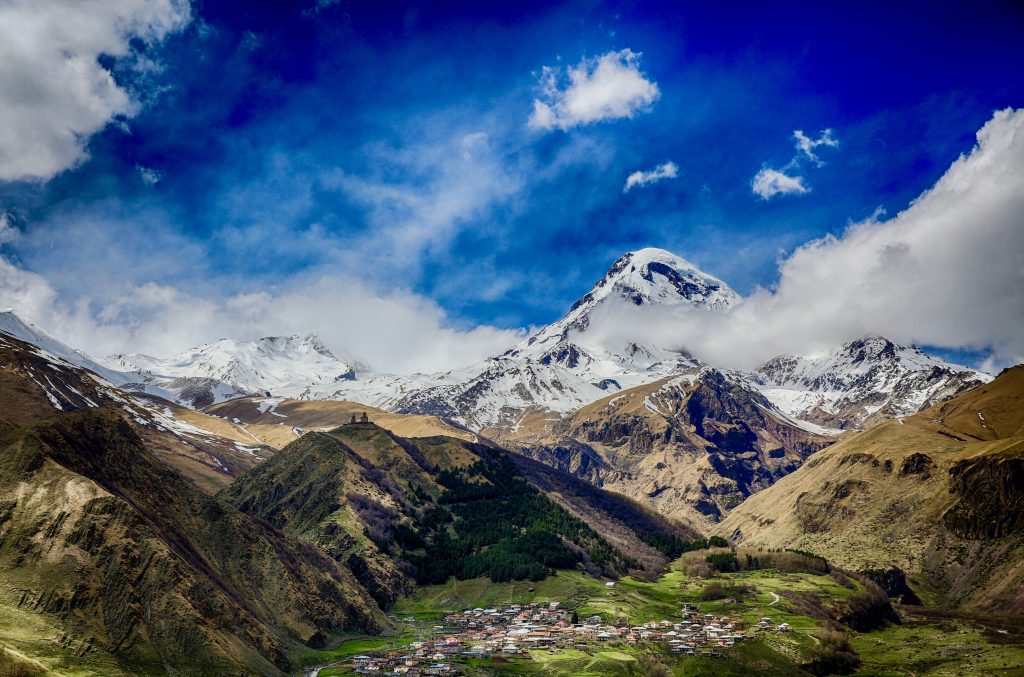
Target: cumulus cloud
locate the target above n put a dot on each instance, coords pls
(397, 331)
(55, 92)
(771, 182)
(640, 179)
(607, 87)
(948, 272)
(107, 277)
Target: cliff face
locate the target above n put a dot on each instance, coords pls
(990, 497)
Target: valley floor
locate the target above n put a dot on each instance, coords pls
(923, 644)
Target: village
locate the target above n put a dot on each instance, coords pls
(519, 629)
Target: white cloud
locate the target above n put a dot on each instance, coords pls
(397, 331)
(107, 278)
(770, 182)
(474, 142)
(8, 233)
(448, 181)
(149, 176)
(666, 170)
(55, 93)
(27, 292)
(948, 271)
(805, 145)
(608, 87)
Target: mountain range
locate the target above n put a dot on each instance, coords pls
(558, 369)
(652, 422)
(228, 511)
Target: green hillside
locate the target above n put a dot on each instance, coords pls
(399, 511)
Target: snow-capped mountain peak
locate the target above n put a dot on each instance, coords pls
(645, 277)
(658, 276)
(267, 363)
(564, 366)
(862, 381)
(560, 368)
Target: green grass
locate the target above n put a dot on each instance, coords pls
(569, 662)
(929, 648)
(431, 601)
(354, 646)
(32, 639)
(919, 647)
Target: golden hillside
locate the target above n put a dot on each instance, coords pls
(939, 494)
(276, 422)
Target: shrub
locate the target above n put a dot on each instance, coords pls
(833, 655)
(673, 546)
(697, 569)
(652, 667)
(869, 609)
(724, 562)
(408, 538)
(842, 579)
(716, 590)
(377, 519)
(787, 561)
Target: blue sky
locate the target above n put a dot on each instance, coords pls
(280, 143)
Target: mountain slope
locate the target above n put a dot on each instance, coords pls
(124, 566)
(396, 509)
(939, 494)
(691, 446)
(564, 365)
(187, 390)
(36, 384)
(644, 277)
(14, 325)
(229, 368)
(276, 421)
(862, 383)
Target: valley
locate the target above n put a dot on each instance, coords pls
(490, 339)
(625, 631)
(572, 506)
